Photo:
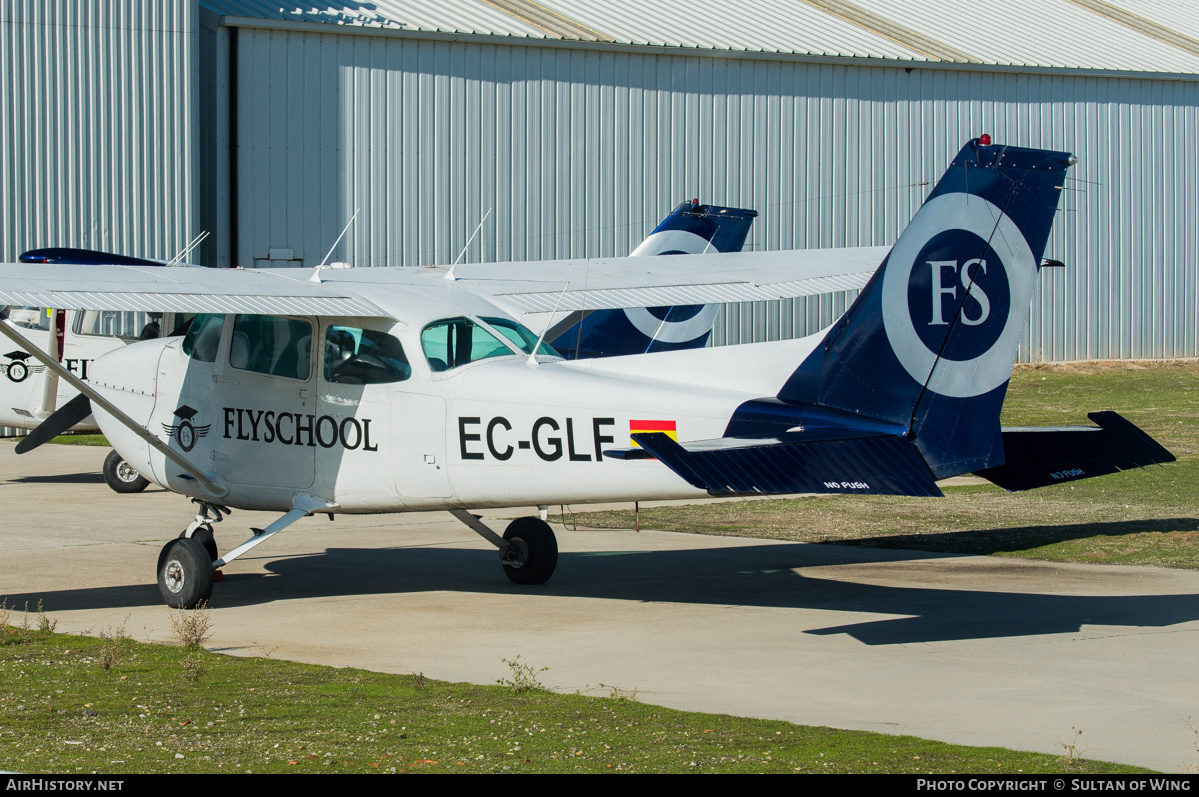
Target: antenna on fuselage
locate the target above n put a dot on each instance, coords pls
(532, 361)
(450, 274)
(177, 259)
(316, 273)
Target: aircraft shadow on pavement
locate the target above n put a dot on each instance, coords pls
(754, 575)
(1021, 538)
(93, 477)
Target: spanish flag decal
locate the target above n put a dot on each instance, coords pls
(636, 427)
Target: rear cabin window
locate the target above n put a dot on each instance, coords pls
(204, 337)
(271, 345)
(356, 356)
(458, 341)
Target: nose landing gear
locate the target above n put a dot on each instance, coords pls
(184, 573)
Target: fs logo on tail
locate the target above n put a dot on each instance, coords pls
(958, 272)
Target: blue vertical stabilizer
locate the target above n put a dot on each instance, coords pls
(928, 346)
(690, 229)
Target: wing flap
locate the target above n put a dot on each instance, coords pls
(1040, 457)
(665, 296)
(887, 465)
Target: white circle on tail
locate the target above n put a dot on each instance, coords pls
(672, 331)
(993, 367)
(672, 242)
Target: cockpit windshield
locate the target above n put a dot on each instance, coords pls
(520, 335)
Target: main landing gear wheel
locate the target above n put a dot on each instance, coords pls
(120, 477)
(184, 573)
(533, 553)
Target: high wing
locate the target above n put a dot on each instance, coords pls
(186, 290)
(536, 287)
(518, 288)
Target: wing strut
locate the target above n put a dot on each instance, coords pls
(303, 505)
(210, 482)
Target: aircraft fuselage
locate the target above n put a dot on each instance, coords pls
(492, 433)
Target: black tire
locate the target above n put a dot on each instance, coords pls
(204, 536)
(120, 477)
(536, 554)
(184, 573)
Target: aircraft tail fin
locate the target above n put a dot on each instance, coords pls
(929, 344)
(691, 228)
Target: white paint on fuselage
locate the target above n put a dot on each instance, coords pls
(493, 433)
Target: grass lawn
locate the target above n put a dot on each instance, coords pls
(113, 705)
(70, 439)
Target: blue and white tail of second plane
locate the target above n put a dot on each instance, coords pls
(690, 229)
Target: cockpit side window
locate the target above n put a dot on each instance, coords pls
(204, 337)
(455, 342)
(272, 345)
(356, 356)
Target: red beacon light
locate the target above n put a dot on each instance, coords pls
(984, 140)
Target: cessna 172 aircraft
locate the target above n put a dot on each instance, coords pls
(386, 390)
(81, 337)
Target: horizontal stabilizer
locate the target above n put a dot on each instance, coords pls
(1039, 457)
(69, 414)
(887, 465)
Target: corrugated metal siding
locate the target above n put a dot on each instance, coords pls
(580, 152)
(98, 111)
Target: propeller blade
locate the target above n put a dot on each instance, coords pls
(63, 419)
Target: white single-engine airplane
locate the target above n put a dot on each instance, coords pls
(388, 390)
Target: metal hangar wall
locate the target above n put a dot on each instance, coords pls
(131, 125)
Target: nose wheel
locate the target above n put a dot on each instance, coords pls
(184, 573)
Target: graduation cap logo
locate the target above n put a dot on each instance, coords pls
(18, 369)
(185, 432)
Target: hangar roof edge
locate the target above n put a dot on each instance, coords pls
(1129, 38)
